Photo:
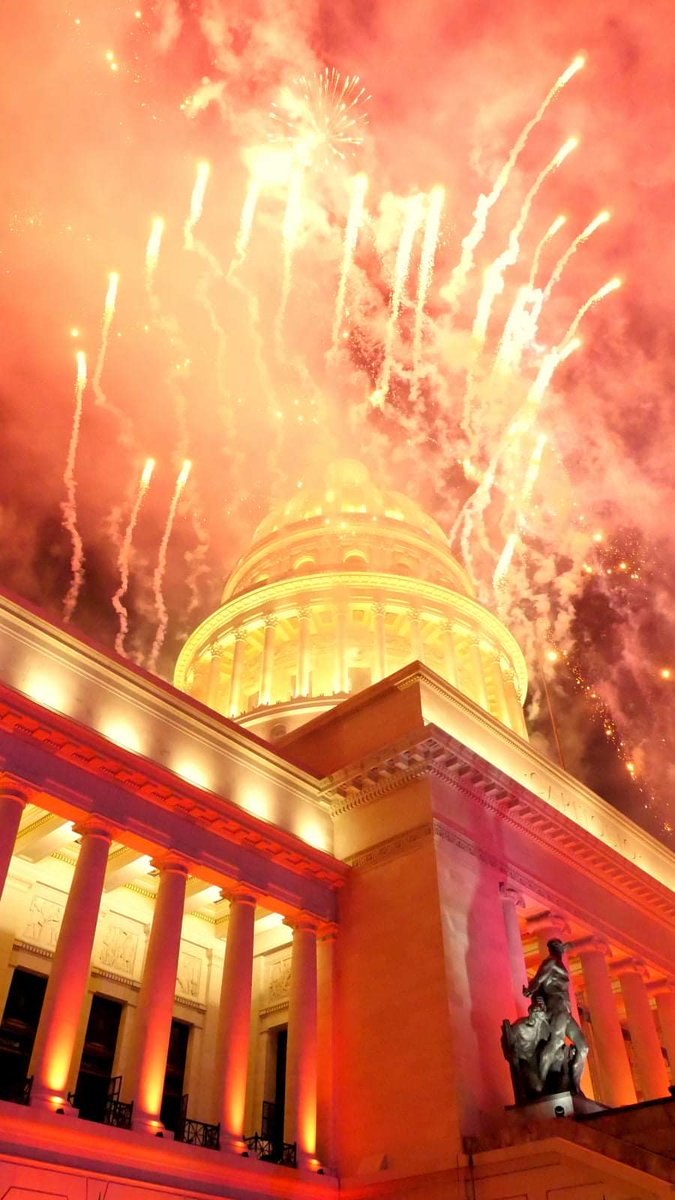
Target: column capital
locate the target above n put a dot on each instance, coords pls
(270, 620)
(630, 966)
(170, 862)
(593, 944)
(217, 649)
(303, 921)
(12, 787)
(508, 892)
(662, 987)
(328, 932)
(379, 609)
(240, 895)
(240, 634)
(304, 611)
(549, 920)
(95, 827)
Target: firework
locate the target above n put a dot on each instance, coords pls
(290, 231)
(429, 246)
(459, 275)
(531, 477)
(493, 283)
(108, 314)
(152, 253)
(123, 557)
(68, 506)
(196, 205)
(553, 228)
(605, 290)
(356, 211)
(160, 569)
(245, 225)
(562, 262)
(411, 224)
(321, 117)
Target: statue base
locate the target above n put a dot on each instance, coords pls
(560, 1104)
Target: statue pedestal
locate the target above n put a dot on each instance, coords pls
(560, 1104)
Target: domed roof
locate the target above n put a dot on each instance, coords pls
(347, 488)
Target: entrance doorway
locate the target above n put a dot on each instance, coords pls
(98, 1056)
(272, 1125)
(17, 1031)
(174, 1081)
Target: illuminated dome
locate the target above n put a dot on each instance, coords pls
(343, 584)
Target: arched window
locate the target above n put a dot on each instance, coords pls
(355, 560)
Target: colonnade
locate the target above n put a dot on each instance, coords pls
(466, 658)
(605, 980)
(68, 982)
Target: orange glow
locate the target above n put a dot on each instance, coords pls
(46, 689)
(121, 733)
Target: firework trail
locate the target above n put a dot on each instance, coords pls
(605, 290)
(245, 225)
(108, 314)
(429, 247)
(517, 333)
(494, 276)
(68, 506)
(526, 495)
(553, 228)
(413, 219)
(213, 270)
(196, 205)
(356, 211)
(321, 114)
(160, 570)
(152, 255)
(290, 231)
(562, 262)
(123, 557)
(455, 287)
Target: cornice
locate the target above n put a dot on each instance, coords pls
(366, 585)
(90, 752)
(431, 753)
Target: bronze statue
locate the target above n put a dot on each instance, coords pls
(552, 983)
(521, 1042)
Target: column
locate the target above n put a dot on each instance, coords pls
(476, 658)
(513, 705)
(156, 998)
(416, 647)
(501, 706)
(234, 1020)
(511, 902)
(267, 665)
(380, 646)
(342, 671)
(616, 1080)
(665, 1007)
(326, 1034)
(69, 976)
(13, 800)
(213, 685)
(650, 1069)
(234, 698)
(302, 684)
(449, 656)
(301, 1061)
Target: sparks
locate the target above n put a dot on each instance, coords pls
(459, 276)
(321, 117)
(68, 506)
(429, 246)
(160, 570)
(152, 252)
(601, 219)
(411, 224)
(245, 225)
(108, 314)
(356, 211)
(123, 557)
(196, 205)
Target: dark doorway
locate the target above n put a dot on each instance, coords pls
(98, 1056)
(272, 1129)
(17, 1030)
(174, 1080)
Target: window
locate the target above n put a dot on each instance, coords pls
(18, 1029)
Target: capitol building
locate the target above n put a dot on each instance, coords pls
(260, 927)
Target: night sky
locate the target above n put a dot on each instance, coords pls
(558, 498)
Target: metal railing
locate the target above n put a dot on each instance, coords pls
(285, 1154)
(199, 1133)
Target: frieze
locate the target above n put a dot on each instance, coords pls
(45, 914)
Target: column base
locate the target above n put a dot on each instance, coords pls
(307, 1162)
(46, 1101)
(232, 1143)
(151, 1127)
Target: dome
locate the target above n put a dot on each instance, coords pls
(344, 583)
